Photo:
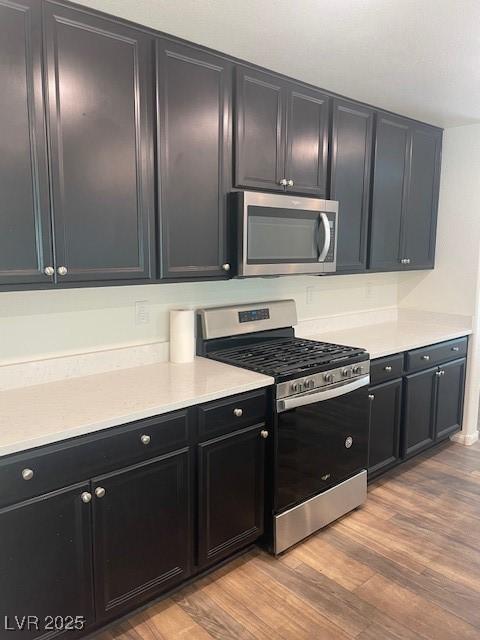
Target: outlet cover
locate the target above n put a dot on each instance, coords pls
(142, 312)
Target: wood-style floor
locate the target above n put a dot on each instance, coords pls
(405, 566)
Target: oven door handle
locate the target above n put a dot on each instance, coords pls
(322, 254)
(327, 394)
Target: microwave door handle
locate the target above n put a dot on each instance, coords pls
(326, 246)
(327, 394)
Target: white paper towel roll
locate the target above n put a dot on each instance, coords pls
(182, 335)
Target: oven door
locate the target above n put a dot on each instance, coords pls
(286, 235)
(322, 440)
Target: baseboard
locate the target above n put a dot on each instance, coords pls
(466, 439)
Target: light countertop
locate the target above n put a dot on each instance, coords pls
(393, 337)
(43, 414)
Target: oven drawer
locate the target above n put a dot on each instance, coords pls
(388, 368)
(222, 416)
(435, 354)
(32, 473)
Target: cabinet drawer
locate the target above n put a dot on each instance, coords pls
(388, 368)
(78, 459)
(435, 354)
(228, 414)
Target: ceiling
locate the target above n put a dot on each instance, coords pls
(416, 57)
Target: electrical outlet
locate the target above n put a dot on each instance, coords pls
(142, 312)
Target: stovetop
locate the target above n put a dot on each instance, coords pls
(287, 358)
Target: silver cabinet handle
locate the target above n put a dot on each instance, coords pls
(145, 439)
(283, 182)
(49, 271)
(455, 348)
(27, 474)
(388, 368)
(326, 476)
(226, 266)
(371, 397)
(100, 492)
(426, 358)
(264, 433)
(290, 183)
(62, 271)
(238, 413)
(405, 260)
(86, 497)
(326, 229)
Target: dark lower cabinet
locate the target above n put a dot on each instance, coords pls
(419, 416)
(25, 239)
(194, 142)
(45, 564)
(142, 533)
(99, 74)
(231, 489)
(450, 398)
(385, 421)
(351, 155)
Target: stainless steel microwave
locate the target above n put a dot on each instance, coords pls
(284, 234)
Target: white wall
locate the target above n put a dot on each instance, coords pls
(455, 283)
(39, 324)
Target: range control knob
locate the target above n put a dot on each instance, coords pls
(296, 387)
(328, 378)
(358, 370)
(346, 373)
(309, 383)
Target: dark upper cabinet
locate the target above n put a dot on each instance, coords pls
(230, 493)
(388, 194)
(194, 143)
(419, 411)
(351, 154)
(141, 532)
(100, 112)
(281, 134)
(45, 560)
(422, 196)
(405, 194)
(306, 140)
(385, 416)
(25, 239)
(451, 384)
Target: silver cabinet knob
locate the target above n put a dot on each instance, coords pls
(49, 271)
(455, 348)
(283, 182)
(238, 413)
(326, 476)
(348, 442)
(145, 439)
(62, 271)
(388, 368)
(426, 358)
(290, 183)
(371, 397)
(100, 492)
(27, 474)
(405, 260)
(86, 497)
(264, 433)
(226, 266)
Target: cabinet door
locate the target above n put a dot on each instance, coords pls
(307, 140)
(420, 220)
(385, 415)
(259, 130)
(45, 560)
(350, 181)
(100, 109)
(194, 135)
(388, 195)
(141, 532)
(25, 242)
(231, 489)
(451, 388)
(419, 413)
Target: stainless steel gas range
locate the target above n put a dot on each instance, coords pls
(319, 413)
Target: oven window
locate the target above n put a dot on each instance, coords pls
(276, 235)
